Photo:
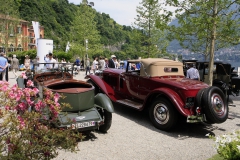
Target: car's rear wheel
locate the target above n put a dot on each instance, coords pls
(107, 119)
(215, 106)
(163, 114)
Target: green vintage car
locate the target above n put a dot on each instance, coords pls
(87, 112)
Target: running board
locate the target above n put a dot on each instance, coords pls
(130, 103)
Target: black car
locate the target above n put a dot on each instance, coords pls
(224, 76)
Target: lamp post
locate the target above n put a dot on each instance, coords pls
(90, 4)
(86, 43)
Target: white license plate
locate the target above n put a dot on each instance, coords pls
(83, 125)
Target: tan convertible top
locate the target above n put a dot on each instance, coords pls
(157, 67)
(156, 61)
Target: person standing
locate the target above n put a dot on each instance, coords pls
(95, 65)
(193, 73)
(3, 66)
(7, 68)
(77, 62)
(101, 63)
(15, 65)
(50, 60)
(87, 66)
(46, 58)
(27, 62)
(111, 62)
(106, 62)
(82, 65)
(35, 63)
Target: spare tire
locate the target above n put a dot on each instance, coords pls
(199, 99)
(215, 105)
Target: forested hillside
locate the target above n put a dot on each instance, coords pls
(89, 32)
(57, 16)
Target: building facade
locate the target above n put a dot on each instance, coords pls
(17, 35)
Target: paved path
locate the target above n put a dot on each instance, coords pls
(132, 136)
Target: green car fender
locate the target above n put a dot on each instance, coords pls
(102, 101)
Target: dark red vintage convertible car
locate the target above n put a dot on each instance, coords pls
(161, 87)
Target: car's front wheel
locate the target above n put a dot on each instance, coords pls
(107, 119)
(163, 114)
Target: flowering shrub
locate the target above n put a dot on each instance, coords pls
(23, 75)
(228, 145)
(24, 134)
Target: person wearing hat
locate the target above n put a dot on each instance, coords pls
(15, 65)
(111, 62)
(27, 62)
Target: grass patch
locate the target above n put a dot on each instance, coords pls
(216, 157)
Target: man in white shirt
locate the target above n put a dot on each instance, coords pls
(50, 60)
(193, 73)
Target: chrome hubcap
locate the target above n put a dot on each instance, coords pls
(161, 113)
(218, 105)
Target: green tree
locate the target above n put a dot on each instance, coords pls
(84, 35)
(207, 25)
(151, 37)
(8, 23)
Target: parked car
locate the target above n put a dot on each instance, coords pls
(161, 87)
(88, 111)
(224, 75)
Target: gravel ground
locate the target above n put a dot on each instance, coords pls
(132, 136)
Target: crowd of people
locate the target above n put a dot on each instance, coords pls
(98, 64)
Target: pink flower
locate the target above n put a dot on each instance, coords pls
(27, 92)
(39, 105)
(28, 99)
(14, 88)
(22, 106)
(21, 120)
(56, 97)
(2, 83)
(35, 90)
(29, 83)
(23, 75)
(7, 107)
(4, 88)
(12, 95)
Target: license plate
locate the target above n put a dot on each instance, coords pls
(83, 125)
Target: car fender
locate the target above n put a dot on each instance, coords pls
(102, 101)
(105, 87)
(172, 96)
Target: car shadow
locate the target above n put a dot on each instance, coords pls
(182, 130)
(88, 136)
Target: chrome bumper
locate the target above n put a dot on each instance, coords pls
(196, 118)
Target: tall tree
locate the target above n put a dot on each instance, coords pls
(207, 24)
(8, 24)
(151, 37)
(84, 34)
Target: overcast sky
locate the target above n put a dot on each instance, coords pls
(122, 11)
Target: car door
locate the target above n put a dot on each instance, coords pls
(132, 82)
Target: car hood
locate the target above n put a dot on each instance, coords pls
(183, 83)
